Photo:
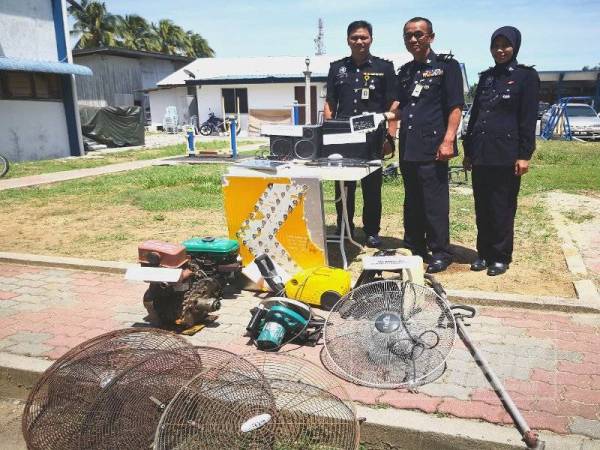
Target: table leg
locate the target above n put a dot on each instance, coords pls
(345, 219)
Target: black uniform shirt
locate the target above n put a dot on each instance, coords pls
(425, 116)
(504, 114)
(346, 81)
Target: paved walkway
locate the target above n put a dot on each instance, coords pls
(65, 175)
(549, 362)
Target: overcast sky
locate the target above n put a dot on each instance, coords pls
(556, 34)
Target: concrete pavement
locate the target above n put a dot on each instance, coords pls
(548, 361)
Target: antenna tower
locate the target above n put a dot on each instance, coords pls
(320, 39)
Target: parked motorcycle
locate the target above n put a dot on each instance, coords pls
(215, 124)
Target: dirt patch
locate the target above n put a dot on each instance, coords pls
(578, 219)
(525, 276)
(65, 227)
(10, 424)
(111, 233)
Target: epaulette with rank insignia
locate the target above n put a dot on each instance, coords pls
(444, 57)
(489, 69)
(525, 66)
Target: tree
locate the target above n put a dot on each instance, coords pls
(198, 46)
(136, 33)
(171, 38)
(98, 28)
(586, 68)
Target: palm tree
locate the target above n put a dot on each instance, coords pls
(136, 33)
(171, 38)
(198, 46)
(98, 28)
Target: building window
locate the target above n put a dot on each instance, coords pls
(30, 86)
(234, 97)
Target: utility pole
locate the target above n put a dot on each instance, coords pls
(307, 106)
(320, 39)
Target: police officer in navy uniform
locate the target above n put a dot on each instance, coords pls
(356, 84)
(430, 95)
(498, 145)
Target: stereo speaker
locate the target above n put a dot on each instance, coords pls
(306, 146)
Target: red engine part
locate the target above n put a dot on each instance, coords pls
(162, 254)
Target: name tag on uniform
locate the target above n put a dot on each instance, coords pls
(433, 73)
(417, 90)
(364, 95)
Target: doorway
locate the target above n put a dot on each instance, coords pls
(299, 96)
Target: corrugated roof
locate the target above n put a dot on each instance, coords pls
(33, 65)
(129, 53)
(261, 67)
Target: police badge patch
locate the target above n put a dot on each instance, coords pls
(342, 72)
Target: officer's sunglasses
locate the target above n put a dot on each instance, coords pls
(418, 35)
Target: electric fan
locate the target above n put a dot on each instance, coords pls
(388, 334)
(265, 401)
(59, 402)
(126, 413)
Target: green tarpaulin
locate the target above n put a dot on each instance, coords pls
(113, 126)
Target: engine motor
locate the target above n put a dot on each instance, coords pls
(207, 264)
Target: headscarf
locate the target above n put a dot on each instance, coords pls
(514, 37)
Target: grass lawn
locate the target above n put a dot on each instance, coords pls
(21, 169)
(106, 217)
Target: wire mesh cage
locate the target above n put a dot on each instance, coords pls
(126, 413)
(389, 334)
(59, 403)
(313, 408)
(260, 402)
(228, 406)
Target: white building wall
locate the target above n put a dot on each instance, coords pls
(31, 130)
(27, 30)
(260, 96)
(159, 100)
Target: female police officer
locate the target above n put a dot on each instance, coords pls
(499, 142)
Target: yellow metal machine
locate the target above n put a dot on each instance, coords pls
(319, 286)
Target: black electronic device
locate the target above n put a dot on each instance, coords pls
(351, 145)
(306, 146)
(366, 122)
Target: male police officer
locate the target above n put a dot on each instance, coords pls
(430, 93)
(356, 84)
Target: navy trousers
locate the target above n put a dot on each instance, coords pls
(495, 189)
(427, 208)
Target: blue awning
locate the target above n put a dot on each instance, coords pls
(32, 65)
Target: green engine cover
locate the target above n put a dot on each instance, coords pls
(211, 246)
